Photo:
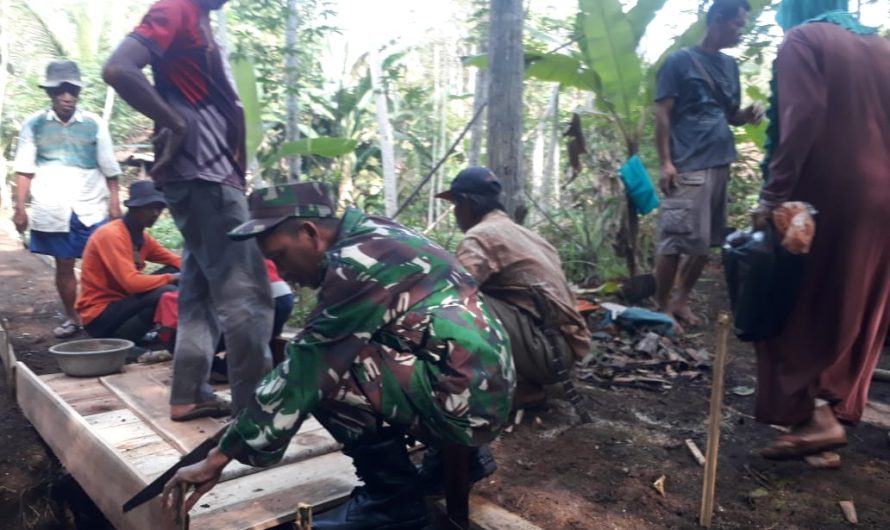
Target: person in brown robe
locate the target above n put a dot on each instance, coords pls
(833, 152)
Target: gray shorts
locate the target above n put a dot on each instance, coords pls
(693, 215)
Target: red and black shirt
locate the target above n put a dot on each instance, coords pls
(191, 76)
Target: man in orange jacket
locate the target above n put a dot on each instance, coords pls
(117, 299)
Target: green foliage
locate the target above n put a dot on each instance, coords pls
(166, 233)
(325, 146)
(245, 80)
(304, 302)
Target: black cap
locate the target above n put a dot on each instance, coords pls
(473, 181)
(143, 193)
(61, 72)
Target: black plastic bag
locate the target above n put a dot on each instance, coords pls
(763, 280)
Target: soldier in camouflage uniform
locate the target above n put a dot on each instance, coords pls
(400, 337)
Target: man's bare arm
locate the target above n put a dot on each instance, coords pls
(114, 202)
(123, 71)
(22, 190)
(663, 110)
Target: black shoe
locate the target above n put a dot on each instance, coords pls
(391, 498)
(432, 470)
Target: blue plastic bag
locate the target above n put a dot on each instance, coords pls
(638, 185)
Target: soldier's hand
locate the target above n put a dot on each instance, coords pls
(668, 180)
(167, 144)
(20, 219)
(203, 476)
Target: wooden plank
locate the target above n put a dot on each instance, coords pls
(135, 442)
(485, 515)
(90, 400)
(107, 479)
(270, 498)
(149, 400)
(4, 349)
(7, 355)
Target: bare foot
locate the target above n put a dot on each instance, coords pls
(681, 311)
(678, 329)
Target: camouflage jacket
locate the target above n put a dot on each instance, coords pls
(444, 361)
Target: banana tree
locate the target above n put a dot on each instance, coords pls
(606, 63)
(256, 129)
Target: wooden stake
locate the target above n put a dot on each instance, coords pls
(177, 518)
(714, 417)
(881, 375)
(304, 517)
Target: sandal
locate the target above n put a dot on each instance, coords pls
(218, 408)
(69, 328)
(791, 447)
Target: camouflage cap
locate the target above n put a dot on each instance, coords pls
(269, 207)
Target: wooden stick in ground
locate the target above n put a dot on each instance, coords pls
(177, 518)
(714, 417)
(881, 375)
(304, 517)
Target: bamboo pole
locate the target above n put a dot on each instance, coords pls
(881, 375)
(714, 417)
(176, 518)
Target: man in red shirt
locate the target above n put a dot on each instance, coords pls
(200, 166)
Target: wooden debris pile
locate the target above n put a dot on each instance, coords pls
(651, 361)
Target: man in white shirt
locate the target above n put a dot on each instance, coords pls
(65, 161)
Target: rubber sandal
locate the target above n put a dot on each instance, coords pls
(154, 357)
(66, 330)
(791, 447)
(218, 408)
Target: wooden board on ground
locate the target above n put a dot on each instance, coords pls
(148, 398)
(114, 450)
(486, 515)
(113, 434)
(106, 478)
(7, 355)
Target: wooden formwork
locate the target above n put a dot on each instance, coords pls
(114, 435)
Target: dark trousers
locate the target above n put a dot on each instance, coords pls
(224, 288)
(132, 317)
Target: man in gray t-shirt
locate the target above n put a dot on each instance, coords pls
(698, 97)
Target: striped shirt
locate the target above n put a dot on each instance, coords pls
(69, 163)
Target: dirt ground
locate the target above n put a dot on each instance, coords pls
(554, 472)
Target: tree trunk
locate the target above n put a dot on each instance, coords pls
(437, 147)
(633, 223)
(480, 94)
(551, 160)
(538, 156)
(387, 155)
(346, 187)
(4, 54)
(5, 194)
(505, 108)
(291, 67)
(115, 12)
(542, 157)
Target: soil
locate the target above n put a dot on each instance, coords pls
(35, 491)
(553, 471)
(563, 475)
